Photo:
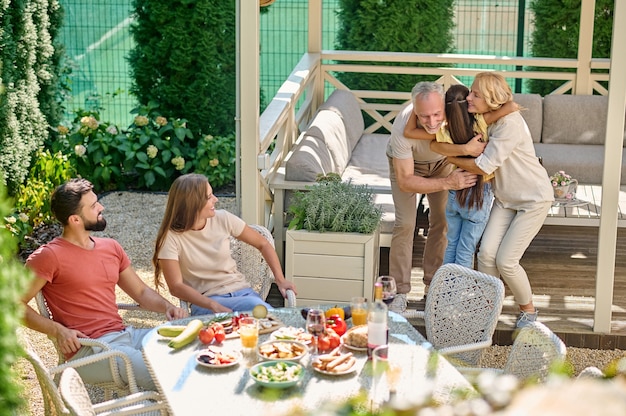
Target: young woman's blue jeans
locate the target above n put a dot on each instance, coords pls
(465, 228)
(240, 301)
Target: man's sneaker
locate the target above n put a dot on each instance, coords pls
(525, 318)
(399, 303)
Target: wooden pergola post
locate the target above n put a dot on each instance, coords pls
(607, 238)
(250, 193)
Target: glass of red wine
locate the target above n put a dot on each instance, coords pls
(315, 325)
(389, 288)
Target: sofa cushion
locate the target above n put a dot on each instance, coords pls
(583, 162)
(347, 107)
(328, 126)
(579, 119)
(532, 111)
(309, 157)
(369, 164)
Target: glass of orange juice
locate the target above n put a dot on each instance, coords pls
(248, 332)
(358, 308)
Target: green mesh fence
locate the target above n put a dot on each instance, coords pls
(97, 38)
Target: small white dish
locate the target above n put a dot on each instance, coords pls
(291, 333)
(214, 357)
(282, 350)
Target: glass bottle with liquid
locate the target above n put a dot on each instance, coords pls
(377, 329)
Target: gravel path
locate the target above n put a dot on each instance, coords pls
(133, 219)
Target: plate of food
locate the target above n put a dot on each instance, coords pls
(284, 350)
(291, 333)
(217, 357)
(277, 374)
(355, 338)
(335, 363)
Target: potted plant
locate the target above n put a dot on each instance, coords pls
(332, 245)
(564, 186)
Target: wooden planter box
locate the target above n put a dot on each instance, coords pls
(331, 267)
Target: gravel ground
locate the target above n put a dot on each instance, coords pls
(133, 219)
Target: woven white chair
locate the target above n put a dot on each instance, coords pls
(461, 312)
(253, 266)
(77, 401)
(590, 373)
(535, 350)
(113, 385)
(53, 403)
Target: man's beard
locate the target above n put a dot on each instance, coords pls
(99, 225)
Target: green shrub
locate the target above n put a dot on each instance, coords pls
(156, 149)
(215, 159)
(93, 148)
(53, 71)
(32, 201)
(335, 206)
(184, 59)
(148, 155)
(393, 26)
(26, 62)
(13, 281)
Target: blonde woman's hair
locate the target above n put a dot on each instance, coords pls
(494, 89)
(186, 198)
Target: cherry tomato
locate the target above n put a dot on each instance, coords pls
(218, 329)
(333, 338)
(220, 336)
(337, 324)
(206, 335)
(323, 343)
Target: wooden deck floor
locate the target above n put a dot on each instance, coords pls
(561, 266)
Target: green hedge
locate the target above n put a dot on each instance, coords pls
(184, 59)
(423, 26)
(557, 26)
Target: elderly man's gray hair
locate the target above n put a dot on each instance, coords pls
(422, 89)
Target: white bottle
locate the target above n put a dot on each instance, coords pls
(377, 331)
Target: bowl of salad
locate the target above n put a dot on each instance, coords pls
(277, 374)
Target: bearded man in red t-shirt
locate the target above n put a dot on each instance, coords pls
(78, 274)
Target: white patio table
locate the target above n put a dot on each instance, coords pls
(191, 389)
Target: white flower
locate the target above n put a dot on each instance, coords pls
(10, 220)
(214, 162)
(80, 150)
(152, 151)
(141, 121)
(23, 217)
(161, 121)
(112, 130)
(89, 121)
(208, 137)
(178, 162)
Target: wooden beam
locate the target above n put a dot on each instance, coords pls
(607, 241)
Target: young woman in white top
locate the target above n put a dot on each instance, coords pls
(522, 190)
(193, 251)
